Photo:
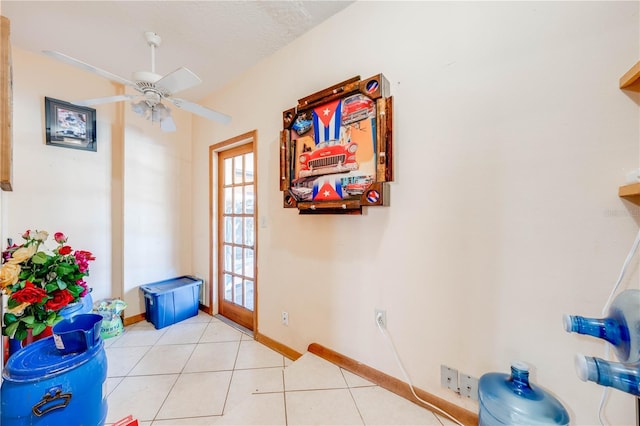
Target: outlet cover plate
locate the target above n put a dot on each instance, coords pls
(468, 386)
(449, 378)
(383, 317)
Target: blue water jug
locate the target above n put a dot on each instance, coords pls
(625, 377)
(621, 326)
(511, 400)
(44, 387)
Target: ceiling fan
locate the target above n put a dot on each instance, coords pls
(153, 89)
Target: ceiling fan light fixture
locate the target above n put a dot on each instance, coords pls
(139, 107)
(159, 112)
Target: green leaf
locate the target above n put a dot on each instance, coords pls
(39, 258)
(75, 290)
(64, 269)
(28, 319)
(38, 328)
(61, 284)
(55, 319)
(9, 318)
(51, 317)
(20, 334)
(11, 329)
(51, 287)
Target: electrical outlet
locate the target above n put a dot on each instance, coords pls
(285, 318)
(381, 317)
(468, 386)
(449, 378)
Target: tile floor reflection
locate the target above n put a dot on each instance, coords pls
(204, 372)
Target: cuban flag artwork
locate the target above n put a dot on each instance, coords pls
(327, 189)
(326, 121)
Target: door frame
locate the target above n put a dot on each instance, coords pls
(248, 137)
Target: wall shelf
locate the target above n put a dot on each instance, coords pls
(630, 192)
(631, 79)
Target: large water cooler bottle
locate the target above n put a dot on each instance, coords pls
(621, 328)
(511, 400)
(44, 387)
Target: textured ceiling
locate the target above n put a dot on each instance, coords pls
(217, 40)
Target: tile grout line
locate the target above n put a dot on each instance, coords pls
(233, 369)
(353, 398)
(284, 396)
(178, 375)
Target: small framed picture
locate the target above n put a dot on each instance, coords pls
(69, 125)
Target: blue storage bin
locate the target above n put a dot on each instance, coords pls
(170, 301)
(44, 387)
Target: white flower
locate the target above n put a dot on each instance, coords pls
(40, 236)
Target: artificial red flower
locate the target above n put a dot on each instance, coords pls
(60, 238)
(29, 294)
(64, 250)
(61, 298)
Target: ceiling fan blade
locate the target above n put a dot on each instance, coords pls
(178, 80)
(105, 100)
(167, 125)
(71, 61)
(201, 111)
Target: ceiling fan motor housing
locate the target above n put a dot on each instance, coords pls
(145, 82)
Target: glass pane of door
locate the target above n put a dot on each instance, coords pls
(236, 235)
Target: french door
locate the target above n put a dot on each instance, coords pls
(236, 239)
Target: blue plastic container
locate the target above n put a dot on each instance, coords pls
(171, 301)
(83, 306)
(43, 387)
(78, 333)
(511, 400)
(625, 377)
(621, 326)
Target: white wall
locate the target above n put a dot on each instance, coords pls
(511, 138)
(147, 228)
(157, 204)
(60, 189)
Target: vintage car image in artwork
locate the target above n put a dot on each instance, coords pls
(336, 148)
(329, 157)
(357, 185)
(302, 124)
(356, 108)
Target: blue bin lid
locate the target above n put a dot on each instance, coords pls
(71, 309)
(170, 285)
(42, 359)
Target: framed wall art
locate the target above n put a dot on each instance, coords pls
(336, 148)
(69, 125)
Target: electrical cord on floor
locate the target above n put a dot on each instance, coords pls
(406, 376)
(625, 265)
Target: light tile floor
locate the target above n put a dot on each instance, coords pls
(202, 371)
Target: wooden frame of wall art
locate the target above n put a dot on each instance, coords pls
(336, 148)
